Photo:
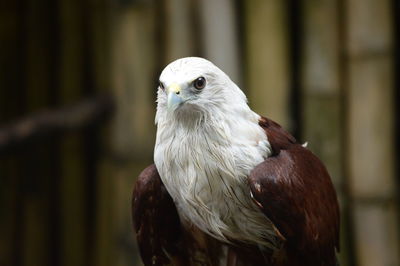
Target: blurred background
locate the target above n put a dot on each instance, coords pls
(77, 102)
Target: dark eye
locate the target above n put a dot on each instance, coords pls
(199, 83)
(161, 85)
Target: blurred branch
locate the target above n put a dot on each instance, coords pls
(49, 122)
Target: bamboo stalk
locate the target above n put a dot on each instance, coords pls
(321, 96)
(370, 128)
(10, 69)
(134, 80)
(218, 25)
(267, 58)
(36, 173)
(179, 32)
(74, 243)
(100, 48)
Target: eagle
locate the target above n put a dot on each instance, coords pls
(228, 186)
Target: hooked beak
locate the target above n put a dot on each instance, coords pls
(174, 97)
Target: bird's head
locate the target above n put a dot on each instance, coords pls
(194, 85)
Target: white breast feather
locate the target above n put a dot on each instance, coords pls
(204, 169)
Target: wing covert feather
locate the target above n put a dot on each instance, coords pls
(294, 190)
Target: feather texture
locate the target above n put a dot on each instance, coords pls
(229, 187)
(294, 190)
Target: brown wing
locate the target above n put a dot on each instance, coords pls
(156, 221)
(294, 190)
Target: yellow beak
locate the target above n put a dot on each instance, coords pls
(174, 87)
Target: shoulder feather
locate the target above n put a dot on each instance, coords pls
(277, 136)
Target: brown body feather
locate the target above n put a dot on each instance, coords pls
(156, 221)
(292, 188)
(295, 192)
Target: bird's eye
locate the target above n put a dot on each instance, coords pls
(199, 83)
(161, 85)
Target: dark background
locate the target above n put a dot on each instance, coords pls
(77, 102)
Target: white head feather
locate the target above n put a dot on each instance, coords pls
(205, 148)
(220, 93)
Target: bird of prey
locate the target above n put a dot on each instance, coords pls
(228, 186)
